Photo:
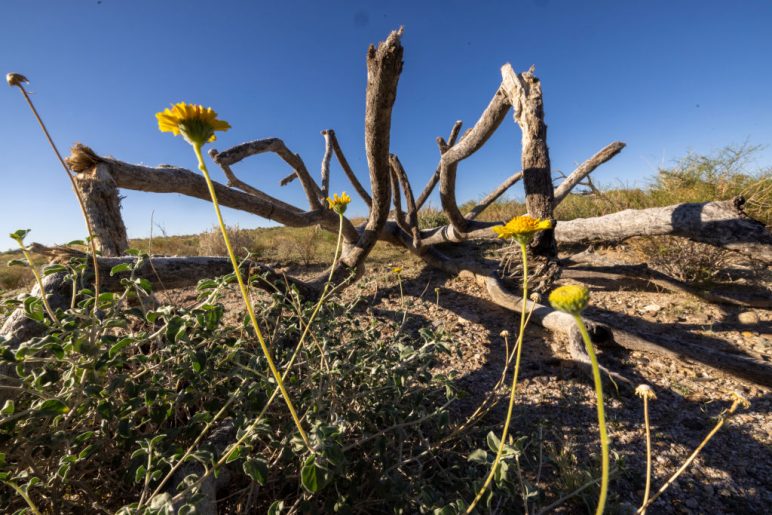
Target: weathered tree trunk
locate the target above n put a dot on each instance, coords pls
(103, 208)
(524, 92)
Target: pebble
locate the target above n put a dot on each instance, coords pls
(651, 308)
(748, 317)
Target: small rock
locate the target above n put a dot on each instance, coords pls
(651, 308)
(748, 317)
(692, 503)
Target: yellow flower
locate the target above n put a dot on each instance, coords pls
(396, 270)
(572, 298)
(522, 228)
(195, 122)
(338, 204)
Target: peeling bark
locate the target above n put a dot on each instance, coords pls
(723, 224)
(103, 208)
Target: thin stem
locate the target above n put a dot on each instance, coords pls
(24, 495)
(295, 353)
(601, 414)
(81, 202)
(722, 419)
(401, 301)
(39, 280)
(505, 431)
(193, 445)
(648, 452)
(245, 296)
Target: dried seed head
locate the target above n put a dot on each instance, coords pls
(504, 334)
(15, 79)
(644, 391)
(740, 399)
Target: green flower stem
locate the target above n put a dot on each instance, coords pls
(401, 301)
(721, 421)
(648, 452)
(295, 353)
(24, 495)
(78, 194)
(601, 414)
(39, 280)
(519, 344)
(245, 295)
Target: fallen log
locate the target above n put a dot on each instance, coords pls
(722, 224)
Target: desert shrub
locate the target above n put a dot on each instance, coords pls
(104, 407)
(430, 217)
(13, 277)
(683, 259)
(211, 243)
(307, 245)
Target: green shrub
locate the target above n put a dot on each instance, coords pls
(103, 408)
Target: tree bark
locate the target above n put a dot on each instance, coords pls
(103, 208)
(723, 224)
(524, 92)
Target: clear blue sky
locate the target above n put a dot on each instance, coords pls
(665, 77)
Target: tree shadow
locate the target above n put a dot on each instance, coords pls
(731, 474)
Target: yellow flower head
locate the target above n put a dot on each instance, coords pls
(195, 122)
(396, 270)
(644, 391)
(338, 204)
(572, 298)
(522, 228)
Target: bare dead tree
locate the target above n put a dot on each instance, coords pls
(717, 223)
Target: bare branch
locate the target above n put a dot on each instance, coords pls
(493, 196)
(235, 182)
(288, 179)
(384, 66)
(472, 141)
(586, 168)
(185, 182)
(347, 168)
(396, 199)
(244, 150)
(411, 222)
(436, 177)
(326, 164)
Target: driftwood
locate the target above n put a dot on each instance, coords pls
(723, 224)
(717, 223)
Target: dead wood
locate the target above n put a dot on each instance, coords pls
(524, 93)
(443, 146)
(103, 209)
(586, 168)
(718, 223)
(347, 168)
(723, 224)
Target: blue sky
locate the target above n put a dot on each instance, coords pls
(666, 77)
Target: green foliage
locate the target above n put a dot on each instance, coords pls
(106, 406)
